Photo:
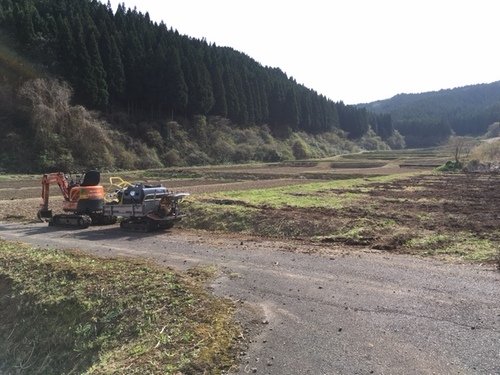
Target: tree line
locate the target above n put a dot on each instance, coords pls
(117, 60)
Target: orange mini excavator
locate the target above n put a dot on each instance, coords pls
(83, 202)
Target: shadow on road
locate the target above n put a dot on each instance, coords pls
(93, 233)
(113, 232)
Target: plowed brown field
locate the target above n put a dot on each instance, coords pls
(437, 203)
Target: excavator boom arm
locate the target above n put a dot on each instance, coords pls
(48, 179)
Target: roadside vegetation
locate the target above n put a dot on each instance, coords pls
(69, 312)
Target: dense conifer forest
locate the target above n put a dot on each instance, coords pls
(83, 85)
(123, 60)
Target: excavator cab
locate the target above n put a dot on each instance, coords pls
(87, 196)
(91, 178)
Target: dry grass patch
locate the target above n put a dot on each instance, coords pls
(68, 312)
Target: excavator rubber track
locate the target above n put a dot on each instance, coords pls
(145, 224)
(139, 225)
(71, 221)
(103, 219)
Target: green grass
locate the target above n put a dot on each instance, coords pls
(430, 242)
(397, 154)
(317, 194)
(250, 211)
(460, 246)
(66, 311)
(289, 212)
(218, 218)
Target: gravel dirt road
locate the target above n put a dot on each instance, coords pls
(331, 311)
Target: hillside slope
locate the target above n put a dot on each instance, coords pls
(468, 110)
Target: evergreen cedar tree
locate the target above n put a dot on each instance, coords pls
(122, 60)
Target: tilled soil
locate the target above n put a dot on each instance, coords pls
(392, 212)
(441, 204)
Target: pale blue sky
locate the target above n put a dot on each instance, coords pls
(352, 50)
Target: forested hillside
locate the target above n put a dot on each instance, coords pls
(428, 118)
(153, 97)
(123, 60)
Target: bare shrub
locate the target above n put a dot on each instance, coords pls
(155, 139)
(371, 141)
(176, 137)
(493, 130)
(50, 105)
(243, 153)
(198, 158)
(222, 150)
(300, 149)
(49, 92)
(147, 157)
(396, 141)
(172, 158)
(72, 137)
(486, 152)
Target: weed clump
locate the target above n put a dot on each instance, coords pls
(451, 166)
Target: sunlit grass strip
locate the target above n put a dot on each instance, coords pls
(430, 242)
(461, 245)
(315, 194)
(66, 311)
(472, 249)
(218, 218)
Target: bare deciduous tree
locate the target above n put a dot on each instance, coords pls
(460, 147)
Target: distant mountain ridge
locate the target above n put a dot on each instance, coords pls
(487, 93)
(468, 110)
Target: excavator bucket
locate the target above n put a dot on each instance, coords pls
(44, 215)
